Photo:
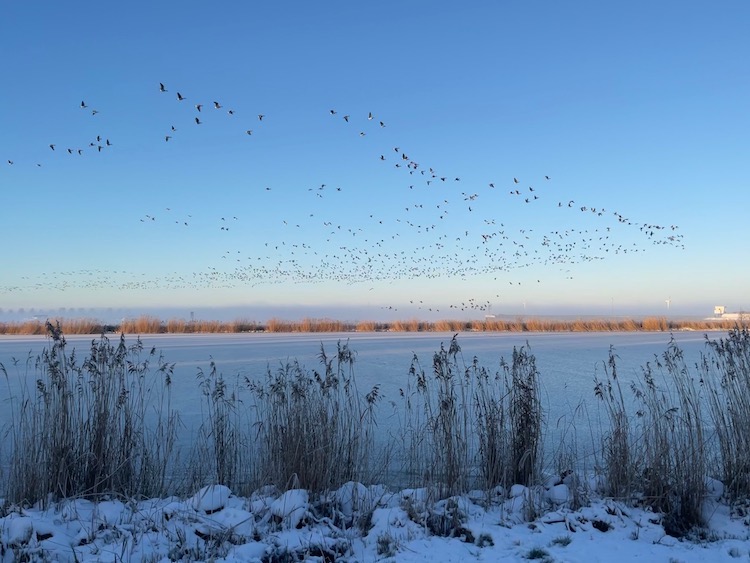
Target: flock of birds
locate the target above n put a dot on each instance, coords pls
(436, 226)
(95, 144)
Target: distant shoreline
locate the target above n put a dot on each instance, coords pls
(154, 325)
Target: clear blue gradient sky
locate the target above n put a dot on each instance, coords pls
(637, 112)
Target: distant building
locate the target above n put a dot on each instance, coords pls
(720, 313)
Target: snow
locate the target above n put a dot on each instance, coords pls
(20, 529)
(290, 507)
(361, 523)
(210, 499)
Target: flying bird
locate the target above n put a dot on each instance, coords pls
(217, 105)
(197, 121)
(162, 88)
(180, 97)
(198, 106)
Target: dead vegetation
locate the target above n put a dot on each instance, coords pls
(146, 324)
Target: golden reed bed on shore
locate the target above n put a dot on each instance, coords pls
(154, 325)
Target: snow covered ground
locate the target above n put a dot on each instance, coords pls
(358, 523)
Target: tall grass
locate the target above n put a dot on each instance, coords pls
(142, 325)
(308, 325)
(508, 420)
(367, 326)
(222, 451)
(619, 459)
(462, 426)
(675, 454)
(101, 425)
(690, 422)
(412, 325)
(525, 415)
(152, 325)
(725, 372)
(437, 423)
(314, 429)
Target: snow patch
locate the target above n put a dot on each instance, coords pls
(291, 507)
(210, 499)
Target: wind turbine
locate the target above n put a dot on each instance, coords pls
(668, 301)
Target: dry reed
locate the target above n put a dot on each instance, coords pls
(104, 425)
(314, 429)
(151, 325)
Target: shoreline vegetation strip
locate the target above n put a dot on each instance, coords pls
(155, 325)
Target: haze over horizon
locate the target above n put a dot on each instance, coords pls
(421, 160)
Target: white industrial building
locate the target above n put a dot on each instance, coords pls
(720, 312)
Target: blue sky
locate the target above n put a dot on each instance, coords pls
(637, 113)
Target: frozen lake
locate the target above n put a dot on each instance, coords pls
(567, 363)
